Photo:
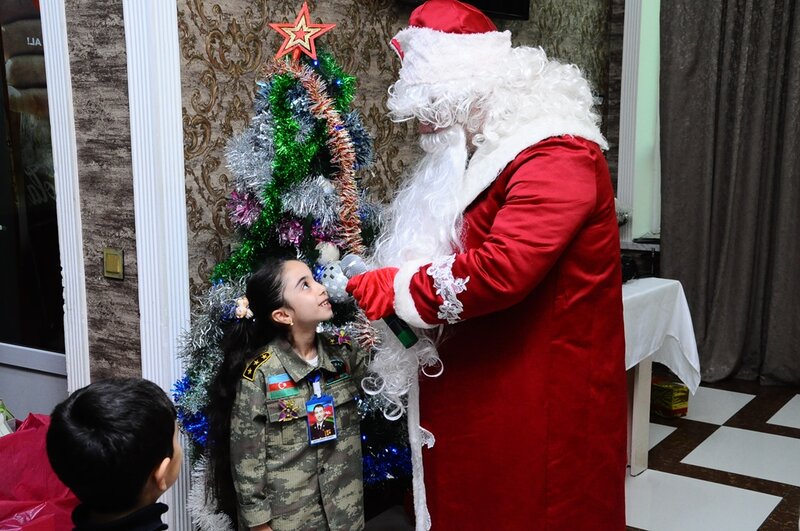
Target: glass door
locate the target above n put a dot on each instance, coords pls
(31, 301)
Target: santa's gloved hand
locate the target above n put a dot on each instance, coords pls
(374, 292)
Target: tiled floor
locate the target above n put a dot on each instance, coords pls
(733, 463)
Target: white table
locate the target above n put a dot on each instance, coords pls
(658, 327)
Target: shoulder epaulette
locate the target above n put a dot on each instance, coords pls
(250, 370)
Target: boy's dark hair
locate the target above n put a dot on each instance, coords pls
(106, 439)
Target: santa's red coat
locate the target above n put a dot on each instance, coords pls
(530, 413)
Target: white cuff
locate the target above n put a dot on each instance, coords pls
(404, 305)
(448, 288)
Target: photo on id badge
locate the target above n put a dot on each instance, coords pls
(321, 420)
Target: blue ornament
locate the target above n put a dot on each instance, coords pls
(319, 270)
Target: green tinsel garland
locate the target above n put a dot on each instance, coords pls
(291, 164)
(346, 88)
(292, 161)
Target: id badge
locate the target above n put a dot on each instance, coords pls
(321, 418)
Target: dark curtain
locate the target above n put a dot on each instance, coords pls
(730, 148)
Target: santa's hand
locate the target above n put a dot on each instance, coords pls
(374, 292)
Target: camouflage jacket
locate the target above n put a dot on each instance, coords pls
(279, 477)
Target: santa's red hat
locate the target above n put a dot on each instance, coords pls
(447, 41)
(451, 16)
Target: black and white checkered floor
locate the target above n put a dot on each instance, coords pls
(732, 464)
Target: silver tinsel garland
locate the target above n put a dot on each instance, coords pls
(372, 214)
(250, 154)
(362, 142)
(316, 197)
(300, 104)
(201, 505)
(200, 350)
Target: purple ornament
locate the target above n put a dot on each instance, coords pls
(290, 232)
(322, 233)
(244, 209)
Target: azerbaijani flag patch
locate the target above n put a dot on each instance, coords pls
(281, 386)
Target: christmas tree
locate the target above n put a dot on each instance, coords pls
(295, 191)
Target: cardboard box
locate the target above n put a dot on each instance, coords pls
(669, 398)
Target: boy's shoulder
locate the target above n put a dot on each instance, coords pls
(148, 518)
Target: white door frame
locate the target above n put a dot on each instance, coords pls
(65, 165)
(159, 192)
(627, 120)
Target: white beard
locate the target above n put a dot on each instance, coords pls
(424, 220)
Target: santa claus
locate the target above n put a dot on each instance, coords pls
(506, 238)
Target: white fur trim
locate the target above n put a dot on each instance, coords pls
(433, 57)
(489, 160)
(404, 305)
(417, 437)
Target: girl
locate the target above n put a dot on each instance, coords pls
(269, 470)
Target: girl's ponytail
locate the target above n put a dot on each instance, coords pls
(249, 329)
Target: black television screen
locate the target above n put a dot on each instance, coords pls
(516, 9)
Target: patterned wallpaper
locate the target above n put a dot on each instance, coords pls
(223, 43)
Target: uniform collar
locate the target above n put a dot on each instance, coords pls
(295, 366)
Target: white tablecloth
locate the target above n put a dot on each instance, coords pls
(658, 325)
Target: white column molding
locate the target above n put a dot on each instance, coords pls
(655, 205)
(65, 164)
(154, 89)
(627, 113)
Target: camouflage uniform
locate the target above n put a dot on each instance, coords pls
(279, 477)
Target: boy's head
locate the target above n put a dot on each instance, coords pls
(114, 443)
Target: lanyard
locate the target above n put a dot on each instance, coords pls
(316, 383)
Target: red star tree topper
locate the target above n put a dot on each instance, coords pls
(299, 37)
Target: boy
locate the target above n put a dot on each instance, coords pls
(115, 444)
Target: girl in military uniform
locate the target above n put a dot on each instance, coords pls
(269, 470)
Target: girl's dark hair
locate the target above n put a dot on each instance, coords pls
(240, 343)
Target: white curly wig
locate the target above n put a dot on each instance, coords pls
(481, 82)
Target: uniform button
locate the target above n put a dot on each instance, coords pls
(322, 470)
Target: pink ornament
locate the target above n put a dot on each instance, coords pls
(290, 232)
(244, 209)
(322, 233)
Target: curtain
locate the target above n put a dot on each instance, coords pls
(730, 148)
